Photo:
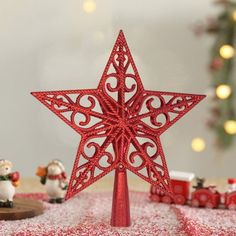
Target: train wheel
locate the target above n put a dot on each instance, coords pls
(209, 205)
(195, 203)
(166, 199)
(179, 199)
(155, 198)
(232, 206)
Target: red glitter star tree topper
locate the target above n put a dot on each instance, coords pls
(120, 125)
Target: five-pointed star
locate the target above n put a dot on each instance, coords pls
(120, 123)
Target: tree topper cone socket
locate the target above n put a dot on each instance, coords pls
(120, 124)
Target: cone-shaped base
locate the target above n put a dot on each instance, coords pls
(120, 206)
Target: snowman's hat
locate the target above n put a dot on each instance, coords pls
(4, 162)
(58, 163)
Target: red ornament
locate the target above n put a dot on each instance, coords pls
(15, 176)
(120, 125)
(216, 64)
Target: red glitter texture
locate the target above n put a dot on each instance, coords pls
(120, 125)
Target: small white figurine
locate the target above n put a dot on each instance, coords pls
(8, 181)
(54, 178)
(231, 185)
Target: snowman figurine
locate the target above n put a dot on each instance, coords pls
(8, 181)
(53, 176)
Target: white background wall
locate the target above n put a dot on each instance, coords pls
(49, 45)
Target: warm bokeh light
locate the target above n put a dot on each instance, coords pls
(223, 91)
(234, 15)
(89, 6)
(226, 51)
(230, 126)
(198, 144)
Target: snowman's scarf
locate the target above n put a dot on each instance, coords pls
(61, 176)
(5, 177)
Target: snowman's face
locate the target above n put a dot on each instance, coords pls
(54, 169)
(5, 169)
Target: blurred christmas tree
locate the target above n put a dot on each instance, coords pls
(222, 69)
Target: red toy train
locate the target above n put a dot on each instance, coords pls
(202, 196)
